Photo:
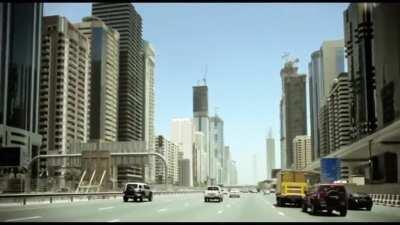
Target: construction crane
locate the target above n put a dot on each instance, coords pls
(289, 60)
(205, 75)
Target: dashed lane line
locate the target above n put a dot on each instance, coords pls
(24, 218)
(114, 220)
(105, 208)
(220, 211)
(281, 213)
(161, 210)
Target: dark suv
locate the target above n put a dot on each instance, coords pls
(327, 197)
(137, 191)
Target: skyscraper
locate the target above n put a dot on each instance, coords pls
(124, 18)
(149, 61)
(293, 109)
(201, 124)
(358, 30)
(326, 64)
(182, 133)
(233, 173)
(226, 166)
(103, 79)
(386, 51)
(339, 106)
(302, 151)
(63, 87)
(199, 168)
(270, 154)
(216, 147)
(184, 172)
(20, 45)
(170, 151)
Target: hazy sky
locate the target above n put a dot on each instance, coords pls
(242, 45)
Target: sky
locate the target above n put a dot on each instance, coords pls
(241, 45)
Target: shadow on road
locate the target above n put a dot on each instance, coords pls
(287, 206)
(326, 214)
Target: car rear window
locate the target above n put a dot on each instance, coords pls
(131, 186)
(213, 188)
(327, 188)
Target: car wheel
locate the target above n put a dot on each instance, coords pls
(205, 199)
(125, 199)
(369, 208)
(222, 199)
(329, 211)
(150, 197)
(343, 212)
(304, 207)
(278, 202)
(141, 199)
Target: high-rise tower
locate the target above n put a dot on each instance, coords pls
(201, 124)
(293, 109)
(270, 154)
(124, 18)
(20, 46)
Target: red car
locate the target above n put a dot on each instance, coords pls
(327, 197)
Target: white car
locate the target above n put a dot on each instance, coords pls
(235, 193)
(213, 192)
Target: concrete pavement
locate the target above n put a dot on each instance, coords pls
(185, 208)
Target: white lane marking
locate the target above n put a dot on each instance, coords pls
(105, 208)
(24, 218)
(114, 220)
(161, 210)
(228, 206)
(220, 211)
(281, 213)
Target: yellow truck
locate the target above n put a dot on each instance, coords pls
(291, 186)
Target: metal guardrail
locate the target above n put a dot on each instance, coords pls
(23, 198)
(392, 200)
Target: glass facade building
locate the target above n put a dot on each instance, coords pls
(20, 42)
(19, 64)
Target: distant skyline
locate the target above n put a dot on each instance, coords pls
(242, 45)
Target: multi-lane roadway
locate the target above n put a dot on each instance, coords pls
(185, 208)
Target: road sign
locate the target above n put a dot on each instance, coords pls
(330, 170)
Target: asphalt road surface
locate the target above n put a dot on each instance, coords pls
(252, 207)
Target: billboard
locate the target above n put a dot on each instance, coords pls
(330, 170)
(14, 156)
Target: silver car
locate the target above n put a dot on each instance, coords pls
(235, 193)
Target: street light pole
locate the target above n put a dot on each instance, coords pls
(371, 170)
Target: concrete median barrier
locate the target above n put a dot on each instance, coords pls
(24, 199)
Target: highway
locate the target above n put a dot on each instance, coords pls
(251, 207)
